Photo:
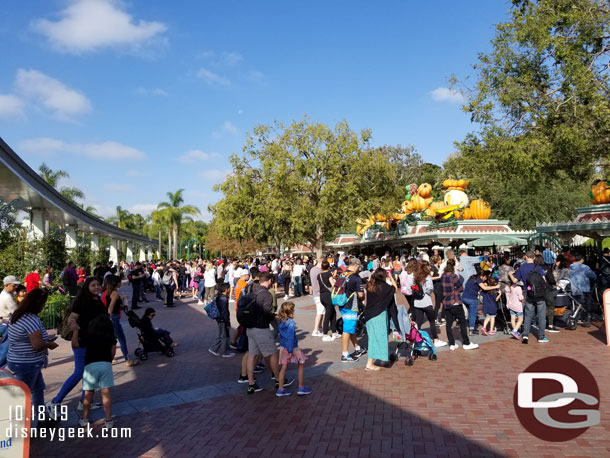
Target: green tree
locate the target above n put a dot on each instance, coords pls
(176, 215)
(303, 183)
(542, 101)
(52, 177)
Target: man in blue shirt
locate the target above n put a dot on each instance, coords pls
(549, 256)
(532, 306)
(580, 281)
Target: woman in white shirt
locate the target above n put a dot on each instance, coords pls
(209, 278)
(297, 279)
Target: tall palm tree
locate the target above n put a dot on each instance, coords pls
(52, 177)
(177, 213)
(160, 222)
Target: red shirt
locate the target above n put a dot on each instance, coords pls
(81, 275)
(32, 281)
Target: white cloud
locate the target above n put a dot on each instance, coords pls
(118, 187)
(195, 155)
(142, 209)
(445, 94)
(212, 78)
(90, 25)
(53, 95)
(215, 175)
(155, 91)
(231, 58)
(104, 150)
(11, 106)
(227, 128)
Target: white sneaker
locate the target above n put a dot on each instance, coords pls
(440, 343)
(213, 352)
(336, 336)
(327, 339)
(108, 424)
(228, 355)
(52, 410)
(470, 346)
(286, 297)
(83, 422)
(453, 347)
(200, 303)
(317, 333)
(93, 406)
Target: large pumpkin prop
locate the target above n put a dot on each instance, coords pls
(466, 213)
(479, 209)
(420, 203)
(456, 185)
(600, 192)
(424, 190)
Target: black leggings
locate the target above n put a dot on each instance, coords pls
(287, 280)
(421, 314)
(456, 313)
(330, 315)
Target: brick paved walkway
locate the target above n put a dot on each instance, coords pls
(460, 405)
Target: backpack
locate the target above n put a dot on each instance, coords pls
(536, 286)
(338, 295)
(247, 312)
(417, 292)
(167, 278)
(212, 310)
(65, 331)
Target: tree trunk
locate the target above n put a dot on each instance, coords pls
(159, 242)
(175, 230)
(169, 244)
(319, 242)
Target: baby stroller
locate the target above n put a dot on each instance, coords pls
(416, 342)
(148, 342)
(503, 316)
(568, 309)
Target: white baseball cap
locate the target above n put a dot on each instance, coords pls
(11, 280)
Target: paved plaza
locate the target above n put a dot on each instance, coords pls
(460, 405)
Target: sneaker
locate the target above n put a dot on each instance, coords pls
(261, 366)
(360, 352)
(303, 391)
(327, 339)
(213, 352)
(257, 370)
(52, 410)
(93, 406)
(287, 382)
(470, 346)
(108, 424)
(453, 347)
(243, 379)
(543, 340)
(483, 331)
(336, 336)
(286, 297)
(132, 362)
(254, 389)
(474, 332)
(348, 359)
(515, 334)
(83, 422)
(440, 343)
(316, 333)
(552, 330)
(279, 393)
(492, 332)
(233, 346)
(200, 303)
(524, 340)
(228, 355)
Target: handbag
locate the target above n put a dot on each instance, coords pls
(212, 310)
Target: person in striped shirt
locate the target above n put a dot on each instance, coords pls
(29, 344)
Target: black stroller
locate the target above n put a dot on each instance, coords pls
(413, 342)
(148, 342)
(568, 309)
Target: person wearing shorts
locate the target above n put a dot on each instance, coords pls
(354, 291)
(315, 289)
(514, 302)
(261, 340)
(97, 375)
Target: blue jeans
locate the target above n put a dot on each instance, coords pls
(31, 375)
(473, 310)
(120, 335)
(158, 291)
(169, 289)
(77, 375)
(298, 286)
(3, 343)
(201, 288)
(529, 310)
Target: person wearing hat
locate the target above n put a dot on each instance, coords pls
(7, 307)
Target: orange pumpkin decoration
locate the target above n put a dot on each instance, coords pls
(437, 205)
(466, 213)
(407, 207)
(600, 192)
(420, 203)
(479, 209)
(424, 190)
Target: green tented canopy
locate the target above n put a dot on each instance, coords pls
(497, 240)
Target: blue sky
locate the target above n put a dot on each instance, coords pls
(135, 99)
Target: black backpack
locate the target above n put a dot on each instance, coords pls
(536, 286)
(247, 312)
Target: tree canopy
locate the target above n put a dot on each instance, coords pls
(542, 101)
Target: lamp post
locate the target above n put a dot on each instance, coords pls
(188, 247)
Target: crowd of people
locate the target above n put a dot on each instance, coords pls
(436, 288)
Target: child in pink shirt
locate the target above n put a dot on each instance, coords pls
(514, 302)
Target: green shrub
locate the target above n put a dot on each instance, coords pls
(53, 312)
